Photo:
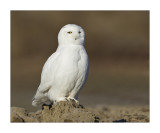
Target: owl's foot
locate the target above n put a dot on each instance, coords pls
(73, 99)
(62, 99)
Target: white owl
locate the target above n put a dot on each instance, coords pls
(66, 70)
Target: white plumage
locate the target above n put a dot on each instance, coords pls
(66, 70)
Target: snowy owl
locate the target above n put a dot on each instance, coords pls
(66, 70)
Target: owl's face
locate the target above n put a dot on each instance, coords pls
(71, 34)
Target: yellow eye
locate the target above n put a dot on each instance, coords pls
(69, 32)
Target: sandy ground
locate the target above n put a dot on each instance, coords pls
(118, 50)
(72, 112)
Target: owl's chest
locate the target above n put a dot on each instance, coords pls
(71, 56)
(72, 59)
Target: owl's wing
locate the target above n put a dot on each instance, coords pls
(46, 81)
(46, 76)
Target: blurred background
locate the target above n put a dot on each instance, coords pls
(117, 43)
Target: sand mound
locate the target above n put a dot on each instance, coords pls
(72, 112)
(61, 112)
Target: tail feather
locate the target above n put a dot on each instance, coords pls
(35, 102)
(40, 99)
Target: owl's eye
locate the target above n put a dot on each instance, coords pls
(69, 32)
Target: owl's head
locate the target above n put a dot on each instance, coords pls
(71, 34)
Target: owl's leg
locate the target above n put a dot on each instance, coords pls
(73, 96)
(62, 99)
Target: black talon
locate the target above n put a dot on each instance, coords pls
(50, 106)
(66, 99)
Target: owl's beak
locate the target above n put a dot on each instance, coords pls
(77, 37)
